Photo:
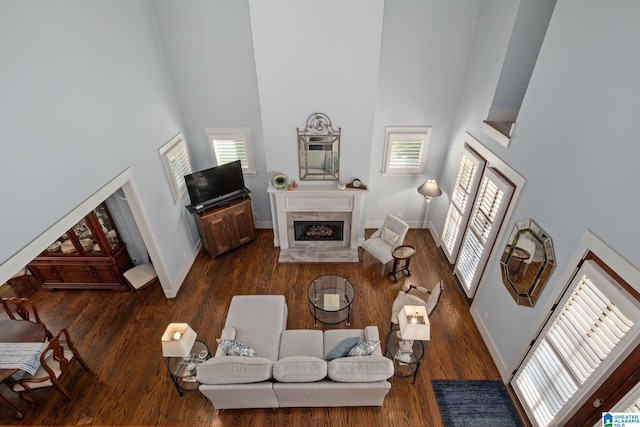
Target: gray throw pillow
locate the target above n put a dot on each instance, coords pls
(342, 348)
(363, 349)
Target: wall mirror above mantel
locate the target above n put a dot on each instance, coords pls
(527, 262)
(319, 149)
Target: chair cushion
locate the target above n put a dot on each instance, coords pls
(365, 348)
(379, 248)
(140, 275)
(389, 236)
(234, 370)
(235, 348)
(41, 372)
(360, 369)
(342, 348)
(299, 369)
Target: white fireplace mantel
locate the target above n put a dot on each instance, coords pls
(316, 198)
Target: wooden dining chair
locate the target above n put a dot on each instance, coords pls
(56, 361)
(140, 277)
(24, 309)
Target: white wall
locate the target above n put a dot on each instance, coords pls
(210, 51)
(574, 145)
(317, 59)
(425, 47)
(85, 95)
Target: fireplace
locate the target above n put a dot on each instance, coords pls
(318, 230)
(317, 223)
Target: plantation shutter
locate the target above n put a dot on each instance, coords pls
(592, 324)
(406, 153)
(462, 195)
(180, 165)
(230, 150)
(487, 215)
(177, 164)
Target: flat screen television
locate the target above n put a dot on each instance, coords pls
(215, 186)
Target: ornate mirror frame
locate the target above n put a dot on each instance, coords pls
(319, 150)
(527, 262)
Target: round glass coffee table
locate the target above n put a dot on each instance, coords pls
(331, 299)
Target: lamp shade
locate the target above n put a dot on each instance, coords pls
(414, 323)
(177, 340)
(430, 189)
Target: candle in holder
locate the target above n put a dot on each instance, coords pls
(176, 336)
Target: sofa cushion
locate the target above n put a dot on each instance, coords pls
(234, 370)
(360, 369)
(364, 348)
(299, 369)
(342, 348)
(235, 348)
(259, 321)
(301, 342)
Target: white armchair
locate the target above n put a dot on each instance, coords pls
(386, 239)
(405, 298)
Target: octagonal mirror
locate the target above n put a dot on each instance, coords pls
(527, 262)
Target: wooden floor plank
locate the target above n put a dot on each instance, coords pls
(120, 340)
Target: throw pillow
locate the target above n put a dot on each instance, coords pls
(365, 348)
(235, 348)
(342, 348)
(389, 236)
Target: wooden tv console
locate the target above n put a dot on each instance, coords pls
(226, 227)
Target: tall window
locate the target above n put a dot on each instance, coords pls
(593, 323)
(462, 196)
(405, 150)
(228, 145)
(177, 164)
(488, 212)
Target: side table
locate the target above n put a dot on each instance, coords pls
(402, 253)
(182, 370)
(405, 364)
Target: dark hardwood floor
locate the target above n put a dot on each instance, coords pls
(120, 340)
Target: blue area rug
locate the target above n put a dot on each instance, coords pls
(475, 403)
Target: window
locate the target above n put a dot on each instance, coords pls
(485, 221)
(405, 150)
(228, 145)
(462, 196)
(177, 164)
(592, 324)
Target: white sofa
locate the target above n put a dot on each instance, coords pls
(290, 367)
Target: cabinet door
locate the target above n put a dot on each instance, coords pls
(222, 234)
(243, 223)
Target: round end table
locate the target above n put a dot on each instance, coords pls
(406, 355)
(399, 254)
(182, 370)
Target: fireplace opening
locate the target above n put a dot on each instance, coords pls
(318, 230)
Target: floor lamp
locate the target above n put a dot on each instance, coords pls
(429, 190)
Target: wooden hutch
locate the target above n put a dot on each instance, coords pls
(91, 255)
